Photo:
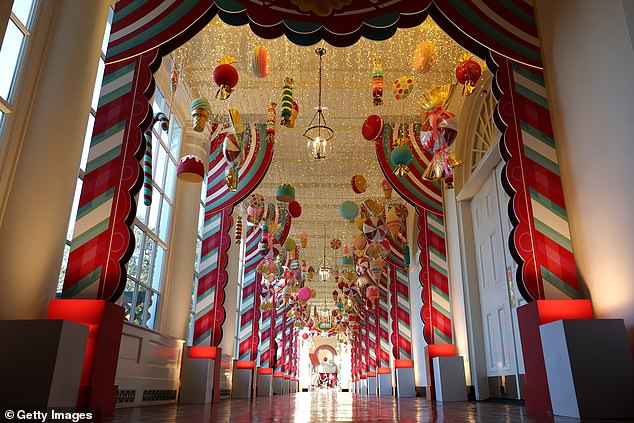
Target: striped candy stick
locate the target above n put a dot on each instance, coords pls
(250, 303)
(383, 326)
(400, 312)
(147, 169)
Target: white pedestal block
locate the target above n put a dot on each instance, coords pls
(364, 386)
(265, 385)
(371, 385)
(41, 363)
(278, 381)
(405, 384)
(197, 379)
(590, 368)
(384, 384)
(286, 386)
(241, 382)
(294, 384)
(449, 378)
(354, 387)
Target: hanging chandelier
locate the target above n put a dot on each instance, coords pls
(324, 268)
(318, 132)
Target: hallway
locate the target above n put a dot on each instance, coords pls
(335, 407)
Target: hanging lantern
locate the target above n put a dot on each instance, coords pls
(358, 184)
(270, 122)
(226, 77)
(401, 156)
(372, 128)
(287, 101)
(285, 193)
(377, 81)
(349, 210)
(468, 73)
(294, 209)
(260, 62)
(200, 109)
(424, 57)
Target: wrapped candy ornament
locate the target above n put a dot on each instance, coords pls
(238, 230)
(147, 170)
(335, 243)
(468, 73)
(255, 208)
(377, 81)
(294, 209)
(260, 62)
(174, 78)
(303, 239)
(349, 210)
(232, 151)
(401, 156)
(372, 128)
(387, 189)
(285, 193)
(441, 166)
(358, 184)
(270, 122)
(424, 57)
(200, 109)
(403, 87)
(225, 77)
(374, 229)
(287, 102)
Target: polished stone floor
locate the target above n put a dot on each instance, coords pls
(335, 407)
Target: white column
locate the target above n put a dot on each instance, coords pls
(40, 196)
(177, 292)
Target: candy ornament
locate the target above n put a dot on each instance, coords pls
(287, 102)
(285, 193)
(303, 239)
(372, 128)
(236, 122)
(260, 62)
(335, 243)
(255, 208)
(238, 230)
(200, 109)
(147, 170)
(375, 208)
(289, 244)
(401, 156)
(349, 210)
(374, 229)
(173, 79)
(393, 222)
(294, 209)
(424, 57)
(377, 82)
(358, 184)
(387, 189)
(372, 292)
(468, 73)
(294, 113)
(270, 122)
(304, 294)
(225, 77)
(403, 87)
(190, 169)
(441, 167)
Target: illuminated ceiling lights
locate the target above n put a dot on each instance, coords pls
(319, 133)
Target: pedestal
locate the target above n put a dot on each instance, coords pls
(371, 380)
(384, 381)
(97, 390)
(450, 379)
(364, 385)
(41, 363)
(278, 383)
(405, 382)
(530, 317)
(265, 382)
(432, 351)
(590, 369)
(286, 385)
(294, 384)
(200, 375)
(242, 379)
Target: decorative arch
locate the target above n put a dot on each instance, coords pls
(503, 32)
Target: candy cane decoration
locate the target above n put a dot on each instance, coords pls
(400, 313)
(383, 329)
(147, 170)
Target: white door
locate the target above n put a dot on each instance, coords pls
(499, 339)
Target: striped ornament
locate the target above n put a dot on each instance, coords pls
(147, 170)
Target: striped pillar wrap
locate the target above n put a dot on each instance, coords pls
(250, 303)
(288, 330)
(541, 236)
(210, 312)
(147, 170)
(280, 319)
(400, 312)
(434, 278)
(363, 338)
(383, 359)
(371, 339)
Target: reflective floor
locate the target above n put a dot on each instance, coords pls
(335, 407)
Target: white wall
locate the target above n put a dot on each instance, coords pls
(589, 63)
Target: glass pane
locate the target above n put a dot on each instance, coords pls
(97, 88)
(194, 289)
(139, 305)
(157, 272)
(157, 105)
(141, 209)
(165, 221)
(175, 138)
(127, 299)
(106, 34)
(201, 219)
(146, 264)
(159, 169)
(22, 10)
(133, 264)
(62, 272)
(87, 137)
(73, 211)
(154, 210)
(9, 55)
(1, 122)
(170, 179)
(150, 313)
(199, 245)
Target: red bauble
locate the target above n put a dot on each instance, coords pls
(468, 71)
(226, 75)
(372, 128)
(295, 209)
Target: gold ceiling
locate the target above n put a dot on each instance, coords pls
(320, 185)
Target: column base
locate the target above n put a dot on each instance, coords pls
(371, 380)
(265, 382)
(405, 383)
(450, 379)
(242, 379)
(384, 381)
(105, 322)
(278, 383)
(200, 375)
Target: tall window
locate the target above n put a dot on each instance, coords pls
(199, 244)
(15, 41)
(84, 154)
(486, 132)
(151, 226)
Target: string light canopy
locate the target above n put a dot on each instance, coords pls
(319, 133)
(324, 268)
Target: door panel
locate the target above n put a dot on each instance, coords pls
(492, 281)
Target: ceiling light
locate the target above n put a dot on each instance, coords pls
(318, 132)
